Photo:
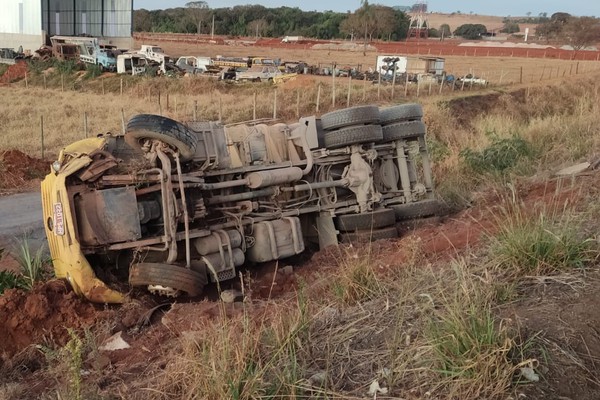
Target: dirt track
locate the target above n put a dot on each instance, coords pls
(21, 214)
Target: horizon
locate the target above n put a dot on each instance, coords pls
(507, 8)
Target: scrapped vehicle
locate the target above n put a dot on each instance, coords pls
(133, 64)
(172, 206)
(472, 80)
(263, 74)
(91, 51)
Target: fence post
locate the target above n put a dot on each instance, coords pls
(349, 89)
(275, 104)
(167, 101)
(429, 91)
(254, 106)
(159, 105)
(364, 97)
(42, 133)
(45, 87)
(442, 82)
(220, 109)
(62, 82)
(195, 115)
(122, 90)
(85, 126)
(406, 86)
(318, 96)
(379, 86)
(333, 87)
(26, 83)
(521, 76)
(393, 82)
(123, 120)
(101, 80)
(298, 103)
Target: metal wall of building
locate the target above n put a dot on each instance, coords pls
(102, 18)
(21, 17)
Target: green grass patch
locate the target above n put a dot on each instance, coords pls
(540, 244)
(503, 154)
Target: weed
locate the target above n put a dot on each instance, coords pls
(540, 244)
(357, 281)
(501, 155)
(10, 280)
(73, 349)
(470, 347)
(32, 265)
(66, 67)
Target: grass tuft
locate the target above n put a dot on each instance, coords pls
(541, 244)
(357, 281)
(32, 265)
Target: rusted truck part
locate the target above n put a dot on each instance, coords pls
(172, 206)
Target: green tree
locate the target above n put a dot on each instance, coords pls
(582, 32)
(510, 27)
(445, 30)
(471, 31)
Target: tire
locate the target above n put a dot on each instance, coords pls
(369, 235)
(402, 112)
(380, 218)
(419, 209)
(173, 276)
(353, 135)
(403, 130)
(359, 115)
(148, 126)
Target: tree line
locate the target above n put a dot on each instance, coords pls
(372, 21)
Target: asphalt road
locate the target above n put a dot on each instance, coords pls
(21, 215)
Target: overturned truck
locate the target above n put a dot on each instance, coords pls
(172, 206)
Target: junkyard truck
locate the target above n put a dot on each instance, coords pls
(170, 206)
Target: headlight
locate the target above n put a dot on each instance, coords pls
(56, 166)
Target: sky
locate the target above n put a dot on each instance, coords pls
(499, 7)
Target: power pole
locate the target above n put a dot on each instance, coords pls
(212, 29)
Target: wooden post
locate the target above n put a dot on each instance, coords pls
(501, 77)
(175, 105)
(364, 97)
(85, 125)
(543, 71)
(577, 68)
(418, 87)
(167, 101)
(62, 82)
(196, 111)
(220, 109)
(318, 96)
(406, 86)
(442, 82)
(123, 120)
(349, 89)
(159, 105)
(275, 104)
(379, 86)
(26, 83)
(254, 106)
(393, 81)
(102, 80)
(462, 87)
(122, 91)
(521, 76)
(333, 87)
(429, 91)
(45, 87)
(298, 103)
(42, 133)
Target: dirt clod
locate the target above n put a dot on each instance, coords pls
(19, 171)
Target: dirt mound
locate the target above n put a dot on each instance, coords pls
(46, 312)
(14, 72)
(17, 169)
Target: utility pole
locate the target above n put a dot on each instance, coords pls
(212, 29)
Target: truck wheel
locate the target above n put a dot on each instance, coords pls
(353, 135)
(379, 218)
(148, 126)
(419, 209)
(369, 235)
(403, 130)
(172, 276)
(359, 115)
(402, 112)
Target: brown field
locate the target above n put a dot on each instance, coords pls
(497, 70)
(455, 20)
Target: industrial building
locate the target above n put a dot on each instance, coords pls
(30, 23)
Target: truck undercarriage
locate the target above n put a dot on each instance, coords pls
(172, 206)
